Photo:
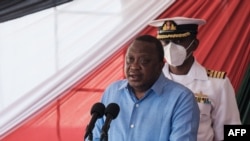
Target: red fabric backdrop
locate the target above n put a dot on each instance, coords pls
(224, 40)
(224, 45)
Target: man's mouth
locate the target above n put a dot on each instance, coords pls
(134, 77)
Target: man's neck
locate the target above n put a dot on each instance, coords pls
(184, 68)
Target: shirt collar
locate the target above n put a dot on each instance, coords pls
(197, 71)
(159, 84)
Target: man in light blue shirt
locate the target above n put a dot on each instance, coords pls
(152, 107)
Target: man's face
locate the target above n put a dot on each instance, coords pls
(142, 66)
(187, 43)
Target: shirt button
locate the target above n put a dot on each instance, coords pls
(132, 126)
(137, 105)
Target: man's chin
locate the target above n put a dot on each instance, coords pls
(135, 84)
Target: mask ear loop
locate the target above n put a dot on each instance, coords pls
(190, 44)
(188, 48)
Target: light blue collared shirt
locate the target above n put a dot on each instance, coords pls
(167, 112)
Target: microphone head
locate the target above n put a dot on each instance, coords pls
(98, 108)
(112, 109)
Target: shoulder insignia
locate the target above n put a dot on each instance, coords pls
(216, 74)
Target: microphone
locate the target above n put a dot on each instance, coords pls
(111, 113)
(97, 111)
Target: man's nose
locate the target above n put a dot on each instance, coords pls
(135, 65)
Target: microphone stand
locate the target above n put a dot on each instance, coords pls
(88, 134)
(90, 137)
(111, 113)
(104, 136)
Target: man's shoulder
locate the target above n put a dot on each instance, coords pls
(177, 86)
(118, 83)
(209, 72)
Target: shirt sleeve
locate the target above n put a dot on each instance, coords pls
(226, 109)
(185, 119)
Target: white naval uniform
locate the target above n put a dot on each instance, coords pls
(216, 100)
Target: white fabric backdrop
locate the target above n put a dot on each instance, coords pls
(44, 53)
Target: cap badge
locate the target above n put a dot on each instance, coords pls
(168, 25)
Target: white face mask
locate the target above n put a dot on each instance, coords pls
(176, 54)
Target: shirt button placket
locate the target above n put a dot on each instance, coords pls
(132, 125)
(136, 105)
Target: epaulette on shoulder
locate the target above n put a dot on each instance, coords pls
(216, 74)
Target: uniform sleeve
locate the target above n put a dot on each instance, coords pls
(226, 109)
(185, 119)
